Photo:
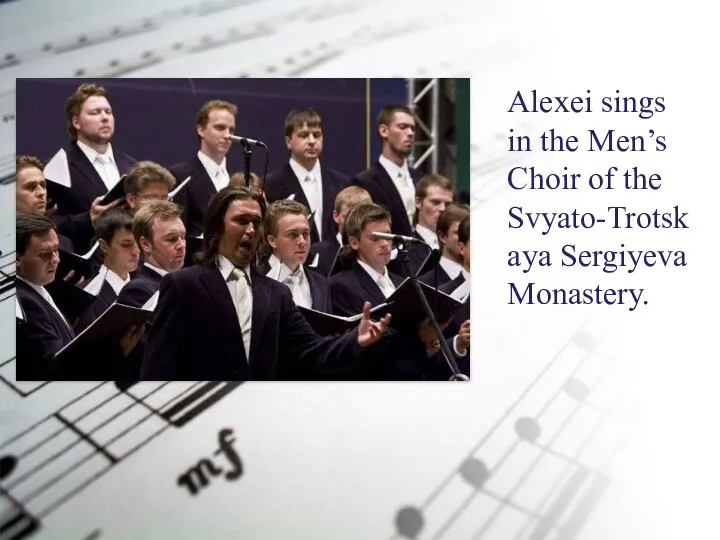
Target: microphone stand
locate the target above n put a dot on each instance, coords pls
(444, 347)
(247, 155)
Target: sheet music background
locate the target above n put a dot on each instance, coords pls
(432, 461)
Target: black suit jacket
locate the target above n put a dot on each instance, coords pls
(39, 337)
(283, 183)
(383, 192)
(404, 356)
(196, 335)
(72, 216)
(463, 312)
(196, 195)
(104, 299)
(326, 251)
(429, 277)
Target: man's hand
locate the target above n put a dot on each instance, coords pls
(463, 341)
(131, 338)
(370, 331)
(96, 209)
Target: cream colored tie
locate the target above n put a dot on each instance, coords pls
(293, 282)
(111, 176)
(385, 286)
(243, 301)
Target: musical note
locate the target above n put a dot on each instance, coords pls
(501, 489)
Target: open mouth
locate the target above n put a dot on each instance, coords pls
(246, 244)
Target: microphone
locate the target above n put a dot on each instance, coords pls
(246, 140)
(396, 238)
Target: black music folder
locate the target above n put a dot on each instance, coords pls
(108, 328)
(72, 261)
(327, 324)
(70, 299)
(407, 309)
(117, 192)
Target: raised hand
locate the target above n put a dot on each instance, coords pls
(370, 331)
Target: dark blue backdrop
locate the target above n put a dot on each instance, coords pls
(154, 117)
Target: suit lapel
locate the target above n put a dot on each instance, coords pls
(318, 299)
(202, 178)
(59, 321)
(223, 306)
(292, 185)
(374, 294)
(79, 161)
(262, 295)
(328, 197)
(387, 184)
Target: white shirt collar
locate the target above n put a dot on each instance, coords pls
(452, 269)
(210, 166)
(372, 272)
(392, 169)
(302, 173)
(427, 235)
(157, 269)
(280, 271)
(339, 238)
(226, 267)
(116, 282)
(92, 154)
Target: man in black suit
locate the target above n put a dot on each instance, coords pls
(304, 179)
(208, 170)
(147, 181)
(391, 181)
(222, 320)
(323, 254)
(450, 264)
(94, 166)
(459, 288)
(160, 233)
(368, 279)
(120, 257)
(287, 234)
(44, 330)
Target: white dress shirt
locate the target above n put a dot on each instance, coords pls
(297, 281)
(311, 184)
(240, 290)
(116, 282)
(382, 280)
(452, 268)
(428, 236)
(217, 173)
(159, 270)
(104, 164)
(403, 183)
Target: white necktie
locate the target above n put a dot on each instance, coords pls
(242, 298)
(407, 192)
(313, 197)
(385, 286)
(111, 175)
(293, 281)
(222, 179)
